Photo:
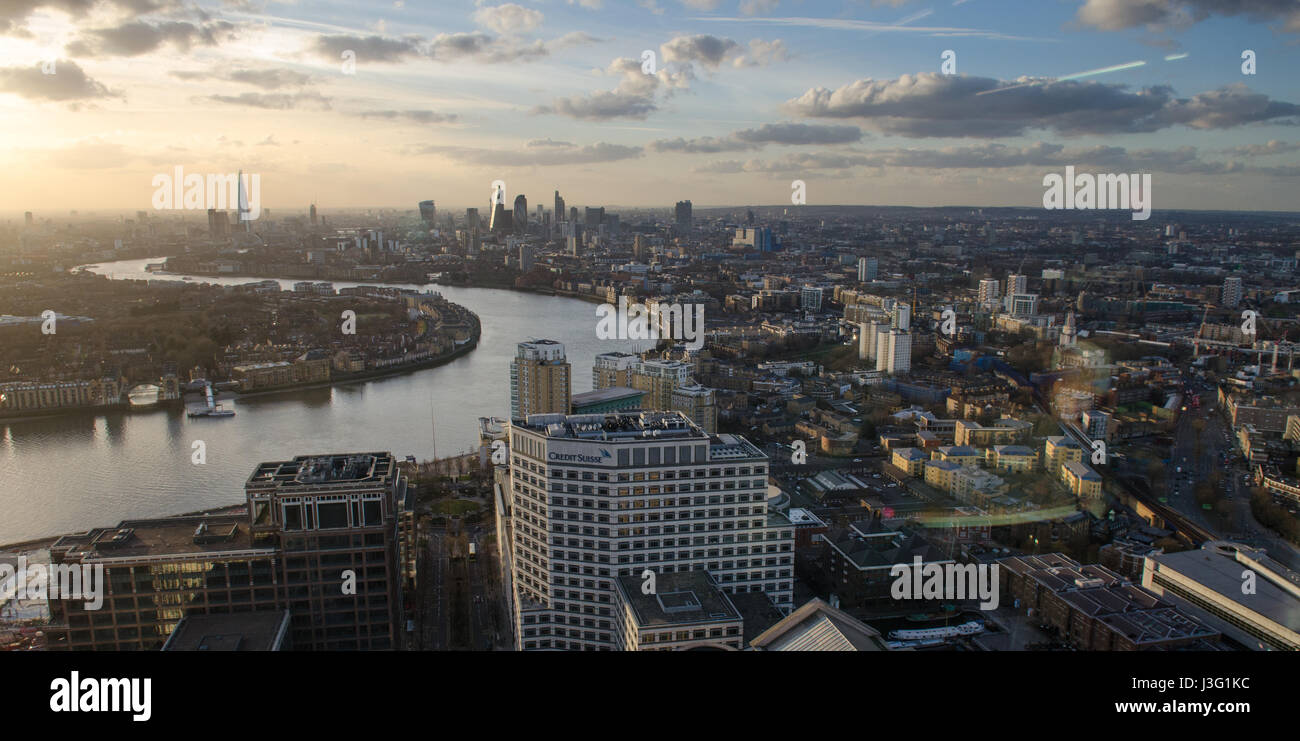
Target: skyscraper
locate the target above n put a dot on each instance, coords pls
(683, 217)
(501, 219)
(540, 379)
(520, 217)
(27, 218)
(868, 268)
(428, 213)
(312, 214)
(559, 207)
(566, 552)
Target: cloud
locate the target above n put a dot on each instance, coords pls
(992, 155)
(633, 97)
(549, 142)
(708, 50)
(757, 7)
(1116, 15)
(274, 101)
(416, 116)
(139, 37)
(933, 105)
(701, 4)
(762, 53)
(382, 49)
(784, 134)
(1273, 146)
(267, 79)
(481, 47)
(589, 154)
(574, 38)
(14, 13)
(509, 19)
(588, 4)
(69, 82)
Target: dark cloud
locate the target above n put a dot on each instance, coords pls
(69, 82)
(708, 50)
(14, 13)
(799, 133)
(140, 37)
(1115, 15)
(934, 105)
(785, 134)
(380, 49)
(478, 46)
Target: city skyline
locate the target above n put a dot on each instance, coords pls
(745, 97)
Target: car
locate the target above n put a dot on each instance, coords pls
(857, 460)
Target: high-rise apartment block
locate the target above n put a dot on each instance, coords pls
(1232, 292)
(540, 379)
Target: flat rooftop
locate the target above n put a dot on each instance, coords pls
(159, 537)
(1221, 573)
(614, 393)
(243, 631)
(333, 468)
(681, 598)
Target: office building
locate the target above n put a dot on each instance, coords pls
(428, 213)
(1022, 304)
(1209, 584)
(520, 217)
(307, 523)
(868, 268)
(612, 399)
(594, 498)
(686, 611)
(559, 207)
(1017, 283)
(540, 379)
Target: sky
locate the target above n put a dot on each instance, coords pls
(385, 103)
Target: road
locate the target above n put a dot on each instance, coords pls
(1241, 525)
(461, 604)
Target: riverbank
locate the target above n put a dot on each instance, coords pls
(336, 380)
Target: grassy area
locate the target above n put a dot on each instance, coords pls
(454, 507)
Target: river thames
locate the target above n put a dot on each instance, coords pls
(72, 473)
